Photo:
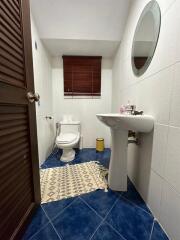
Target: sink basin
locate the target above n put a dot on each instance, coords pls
(137, 123)
(119, 125)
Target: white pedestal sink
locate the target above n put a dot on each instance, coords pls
(119, 125)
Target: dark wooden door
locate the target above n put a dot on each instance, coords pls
(19, 170)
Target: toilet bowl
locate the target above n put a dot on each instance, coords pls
(68, 139)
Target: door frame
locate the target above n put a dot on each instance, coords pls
(30, 85)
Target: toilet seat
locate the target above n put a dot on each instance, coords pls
(66, 138)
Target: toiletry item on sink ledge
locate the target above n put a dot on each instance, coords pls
(122, 109)
(130, 109)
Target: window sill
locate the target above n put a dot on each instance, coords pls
(82, 97)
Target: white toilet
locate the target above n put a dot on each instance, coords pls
(68, 138)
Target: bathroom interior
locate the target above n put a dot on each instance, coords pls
(91, 137)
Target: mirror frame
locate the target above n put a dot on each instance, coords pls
(140, 72)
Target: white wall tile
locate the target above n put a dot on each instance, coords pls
(144, 164)
(165, 5)
(172, 168)
(170, 211)
(154, 95)
(154, 194)
(168, 31)
(177, 20)
(43, 86)
(159, 148)
(175, 104)
(166, 47)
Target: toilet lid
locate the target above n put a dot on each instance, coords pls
(66, 137)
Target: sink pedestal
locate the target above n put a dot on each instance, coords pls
(120, 124)
(117, 178)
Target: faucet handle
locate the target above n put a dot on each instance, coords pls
(133, 108)
(138, 112)
(130, 109)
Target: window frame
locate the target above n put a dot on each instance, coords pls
(71, 77)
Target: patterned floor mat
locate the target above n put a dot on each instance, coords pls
(71, 180)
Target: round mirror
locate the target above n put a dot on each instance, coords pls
(146, 38)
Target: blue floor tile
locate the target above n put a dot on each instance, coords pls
(101, 201)
(47, 233)
(52, 209)
(39, 221)
(130, 221)
(84, 155)
(126, 215)
(133, 196)
(78, 222)
(90, 154)
(106, 232)
(158, 233)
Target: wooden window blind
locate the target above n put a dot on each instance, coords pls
(82, 76)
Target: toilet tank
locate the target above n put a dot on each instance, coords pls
(70, 127)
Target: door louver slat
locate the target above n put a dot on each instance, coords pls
(19, 174)
(10, 58)
(12, 66)
(16, 174)
(11, 45)
(15, 194)
(12, 130)
(8, 11)
(10, 41)
(14, 152)
(13, 137)
(13, 9)
(9, 34)
(9, 30)
(9, 124)
(11, 50)
(22, 204)
(11, 73)
(18, 157)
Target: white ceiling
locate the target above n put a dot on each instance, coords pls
(60, 47)
(64, 25)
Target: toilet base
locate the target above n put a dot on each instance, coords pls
(68, 155)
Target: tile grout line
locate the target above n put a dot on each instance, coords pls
(152, 229)
(116, 230)
(111, 208)
(44, 226)
(119, 197)
(148, 77)
(40, 228)
(136, 205)
(104, 219)
(96, 229)
(90, 207)
(62, 209)
(52, 225)
(162, 228)
(109, 213)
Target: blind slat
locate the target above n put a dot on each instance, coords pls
(82, 76)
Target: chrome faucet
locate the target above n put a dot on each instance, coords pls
(130, 109)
